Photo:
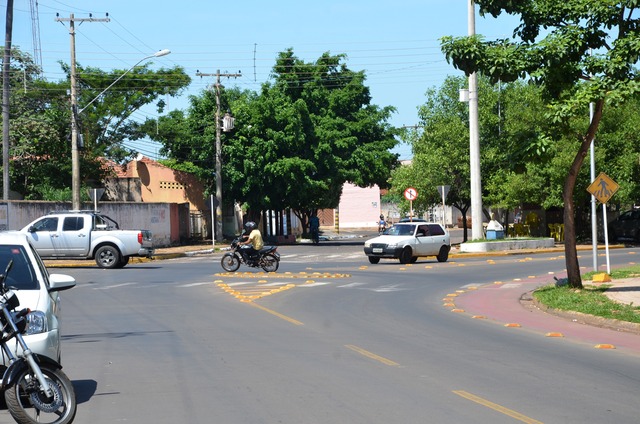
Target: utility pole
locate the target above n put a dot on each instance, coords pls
(75, 154)
(474, 142)
(217, 225)
(6, 90)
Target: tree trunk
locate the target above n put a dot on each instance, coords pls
(570, 250)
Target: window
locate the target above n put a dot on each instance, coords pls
(46, 224)
(73, 223)
(21, 276)
(423, 230)
(436, 230)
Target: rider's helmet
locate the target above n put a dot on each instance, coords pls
(381, 216)
(250, 226)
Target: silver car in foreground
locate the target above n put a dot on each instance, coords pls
(36, 290)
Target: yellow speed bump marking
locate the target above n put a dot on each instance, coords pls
(263, 275)
(250, 293)
(512, 325)
(604, 346)
(506, 411)
(553, 334)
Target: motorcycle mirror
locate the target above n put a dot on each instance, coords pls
(3, 276)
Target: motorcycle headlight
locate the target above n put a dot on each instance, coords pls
(36, 322)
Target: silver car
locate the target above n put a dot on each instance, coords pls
(36, 290)
(407, 241)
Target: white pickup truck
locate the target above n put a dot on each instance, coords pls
(87, 235)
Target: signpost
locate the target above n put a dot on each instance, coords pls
(411, 194)
(603, 188)
(443, 190)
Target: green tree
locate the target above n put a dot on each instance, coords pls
(40, 123)
(578, 52)
(311, 128)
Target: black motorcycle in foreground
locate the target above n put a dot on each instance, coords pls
(35, 388)
(267, 258)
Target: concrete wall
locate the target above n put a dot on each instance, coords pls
(166, 221)
(359, 207)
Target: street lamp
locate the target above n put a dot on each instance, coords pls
(75, 156)
(474, 142)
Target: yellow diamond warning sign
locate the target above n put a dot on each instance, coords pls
(603, 188)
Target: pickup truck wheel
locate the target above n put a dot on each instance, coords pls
(405, 255)
(108, 257)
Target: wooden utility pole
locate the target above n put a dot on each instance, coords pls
(75, 155)
(217, 225)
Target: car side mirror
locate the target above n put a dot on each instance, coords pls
(32, 229)
(59, 282)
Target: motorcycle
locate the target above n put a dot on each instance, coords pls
(35, 388)
(267, 258)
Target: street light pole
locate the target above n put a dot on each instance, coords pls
(474, 143)
(75, 114)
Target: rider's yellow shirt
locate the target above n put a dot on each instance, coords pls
(255, 238)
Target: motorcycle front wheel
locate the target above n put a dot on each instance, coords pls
(269, 262)
(27, 404)
(230, 262)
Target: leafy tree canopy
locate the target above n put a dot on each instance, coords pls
(40, 127)
(578, 52)
(311, 128)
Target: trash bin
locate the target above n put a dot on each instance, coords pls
(494, 230)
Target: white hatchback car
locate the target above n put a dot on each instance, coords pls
(36, 290)
(407, 241)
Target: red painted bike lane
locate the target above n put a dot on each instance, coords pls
(501, 302)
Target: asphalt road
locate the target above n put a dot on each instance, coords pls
(329, 338)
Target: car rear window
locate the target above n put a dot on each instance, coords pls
(73, 223)
(21, 276)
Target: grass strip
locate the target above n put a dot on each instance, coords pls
(591, 299)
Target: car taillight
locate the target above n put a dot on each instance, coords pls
(140, 237)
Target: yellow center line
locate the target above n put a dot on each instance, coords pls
(373, 356)
(279, 315)
(496, 407)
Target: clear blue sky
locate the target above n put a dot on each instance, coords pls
(395, 43)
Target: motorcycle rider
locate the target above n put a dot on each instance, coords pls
(252, 245)
(382, 224)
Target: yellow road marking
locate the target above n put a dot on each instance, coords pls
(303, 274)
(513, 414)
(373, 356)
(278, 314)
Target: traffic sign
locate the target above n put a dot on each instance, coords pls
(603, 188)
(411, 194)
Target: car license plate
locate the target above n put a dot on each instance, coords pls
(377, 250)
